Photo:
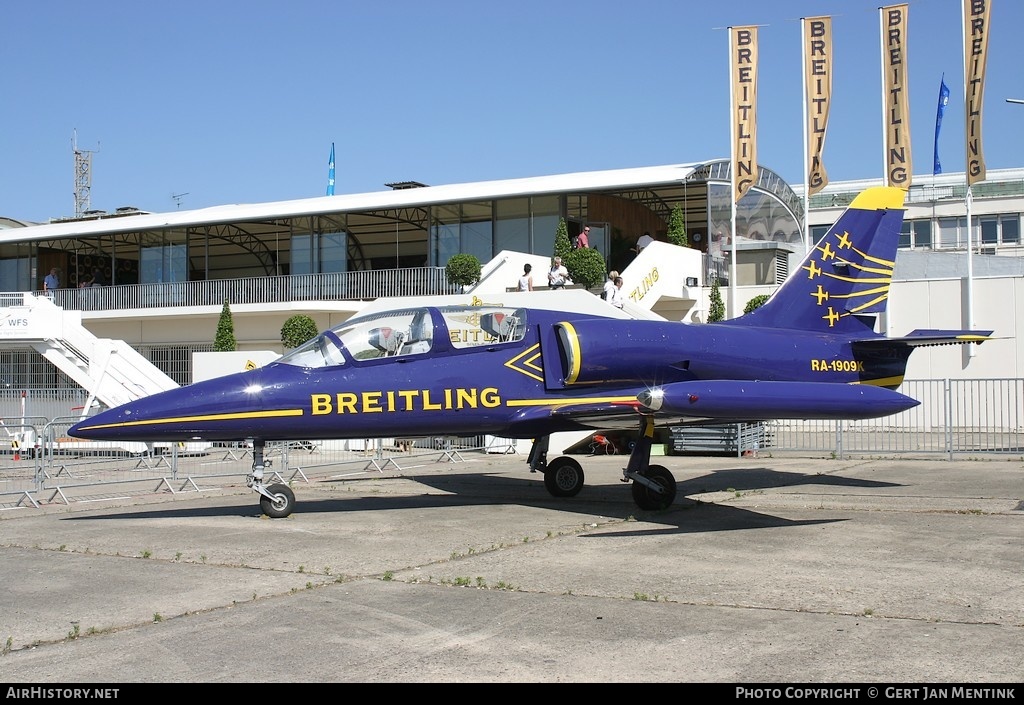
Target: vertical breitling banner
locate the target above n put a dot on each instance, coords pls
(743, 59)
(898, 165)
(976, 25)
(818, 89)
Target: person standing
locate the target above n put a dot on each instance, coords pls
(52, 281)
(643, 241)
(558, 275)
(617, 299)
(583, 239)
(526, 281)
(609, 286)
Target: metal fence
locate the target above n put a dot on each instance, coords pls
(955, 418)
(40, 463)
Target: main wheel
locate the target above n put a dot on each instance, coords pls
(650, 499)
(281, 505)
(563, 477)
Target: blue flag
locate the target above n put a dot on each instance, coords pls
(943, 99)
(330, 173)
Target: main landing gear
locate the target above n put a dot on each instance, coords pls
(653, 487)
(277, 501)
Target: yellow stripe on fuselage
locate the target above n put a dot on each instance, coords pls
(569, 402)
(205, 417)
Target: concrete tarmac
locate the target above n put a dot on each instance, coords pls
(765, 570)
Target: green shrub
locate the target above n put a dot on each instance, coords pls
(755, 302)
(562, 245)
(297, 330)
(677, 228)
(586, 267)
(225, 340)
(716, 310)
(463, 269)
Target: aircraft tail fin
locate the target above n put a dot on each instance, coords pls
(846, 276)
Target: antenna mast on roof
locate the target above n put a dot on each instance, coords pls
(83, 176)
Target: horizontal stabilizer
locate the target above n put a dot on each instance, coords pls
(765, 401)
(930, 336)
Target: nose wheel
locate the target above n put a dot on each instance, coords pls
(277, 501)
(563, 477)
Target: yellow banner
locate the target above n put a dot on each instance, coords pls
(743, 64)
(818, 89)
(976, 26)
(898, 169)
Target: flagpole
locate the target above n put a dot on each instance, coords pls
(803, 90)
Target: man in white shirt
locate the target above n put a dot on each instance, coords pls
(643, 241)
(558, 274)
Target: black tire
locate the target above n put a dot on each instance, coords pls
(563, 477)
(647, 498)
(282, 504)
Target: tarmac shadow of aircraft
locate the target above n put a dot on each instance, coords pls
(474, 489)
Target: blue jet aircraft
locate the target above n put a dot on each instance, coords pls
(810, 352)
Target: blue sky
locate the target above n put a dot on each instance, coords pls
(231, 101)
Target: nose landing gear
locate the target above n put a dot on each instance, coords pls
(277, 500)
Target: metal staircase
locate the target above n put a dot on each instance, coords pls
(110, 370)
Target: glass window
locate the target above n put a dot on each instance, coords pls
(444, 233)
(304, 260)
(322, 351)
(512, 225)
(948, 232)
(1011, 228)
(922, 233)
(333, 252)
(16, 273)
(906, 240)
(391, 334)
(989, 230)
(484, 325)
(163, 263)
(476, 230)
(546, 212)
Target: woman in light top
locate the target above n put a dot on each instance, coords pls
(526, 281)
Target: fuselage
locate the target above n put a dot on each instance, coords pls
(453, 371)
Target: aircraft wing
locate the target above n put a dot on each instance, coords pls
(589, 412)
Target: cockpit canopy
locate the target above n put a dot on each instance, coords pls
(410, 332)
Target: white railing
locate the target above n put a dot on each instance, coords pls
(339, 286)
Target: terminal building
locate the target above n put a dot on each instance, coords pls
(167, 276)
